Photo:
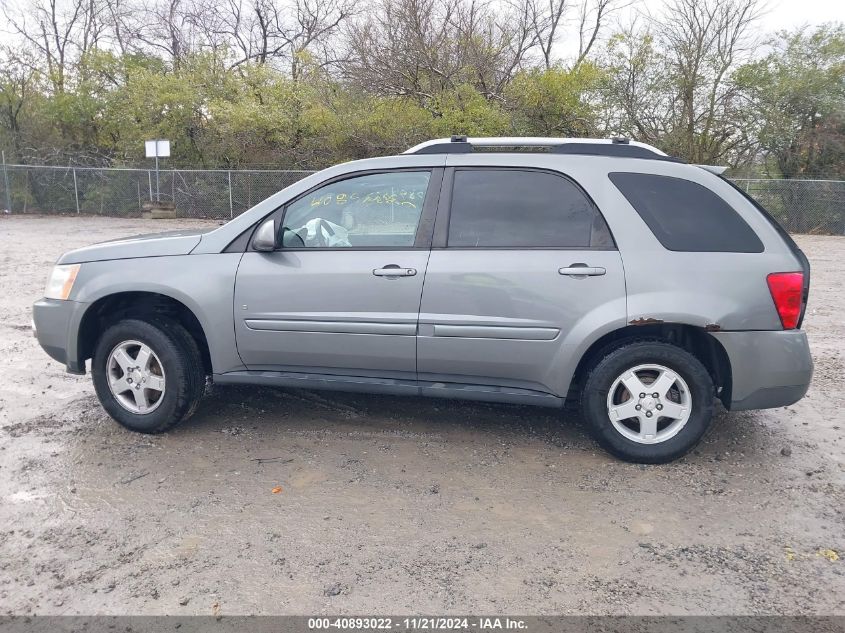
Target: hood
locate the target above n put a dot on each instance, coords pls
(152, 245)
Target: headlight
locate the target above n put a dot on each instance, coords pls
(61, 281)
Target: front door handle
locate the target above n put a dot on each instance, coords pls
(582, 270)
(392, 270)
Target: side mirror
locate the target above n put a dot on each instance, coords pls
(265, 237)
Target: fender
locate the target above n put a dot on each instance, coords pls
(209, 294)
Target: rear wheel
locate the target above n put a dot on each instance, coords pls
(148, 374)
(648, 402)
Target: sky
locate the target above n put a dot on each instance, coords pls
(779, 14)
(784, 14)
(788, 14)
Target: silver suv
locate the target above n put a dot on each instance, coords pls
(518, 270)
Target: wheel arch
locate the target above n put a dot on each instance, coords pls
(694, 339)
(139, 304)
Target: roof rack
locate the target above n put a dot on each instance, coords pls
(619, 146)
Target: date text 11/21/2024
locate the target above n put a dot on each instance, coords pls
(418, 624)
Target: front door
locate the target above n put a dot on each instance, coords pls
(341, 294)
(512, 285)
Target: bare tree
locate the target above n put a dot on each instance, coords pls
(405, 47)
(117, 16)
(167, 28)
(422, 48)
(671, 81)
(59, 32)
(270, 31)
(705, 40)
(592, 17)
(492, 48)
(545, 18)
(548, 19)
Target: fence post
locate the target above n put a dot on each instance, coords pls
(150, 181)
(842, 213)
(75, 191)
(231, 208)
(6, 179)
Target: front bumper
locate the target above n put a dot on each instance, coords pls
(768, 369)
(55, 324)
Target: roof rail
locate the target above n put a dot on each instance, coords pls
(619, 146)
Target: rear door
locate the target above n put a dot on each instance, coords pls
(342, 293)
(522, 262)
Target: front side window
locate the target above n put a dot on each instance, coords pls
(375, 210)
(514, 208)
(686, 216)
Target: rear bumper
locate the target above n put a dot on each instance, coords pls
(768, 369)
(55, 324)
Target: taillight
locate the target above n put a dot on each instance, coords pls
(787, 290)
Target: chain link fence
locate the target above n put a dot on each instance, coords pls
(802, 206)
(196, 193)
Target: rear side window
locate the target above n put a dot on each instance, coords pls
(513, 208)
(686, 216)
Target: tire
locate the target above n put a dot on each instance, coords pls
(607, 402)
(174, 363)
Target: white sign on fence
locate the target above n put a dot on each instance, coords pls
(159, 148)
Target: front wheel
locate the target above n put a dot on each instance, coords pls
(648, 402)
(148, 374)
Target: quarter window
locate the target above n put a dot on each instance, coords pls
(376, 210)
(522, 209)
(686, 216)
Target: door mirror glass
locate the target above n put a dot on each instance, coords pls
(265, 237)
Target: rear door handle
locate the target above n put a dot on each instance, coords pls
(393, 270)
(582, 270)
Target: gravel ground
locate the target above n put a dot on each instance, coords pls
(390, 505)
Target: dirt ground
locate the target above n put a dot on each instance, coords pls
(400, 506)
